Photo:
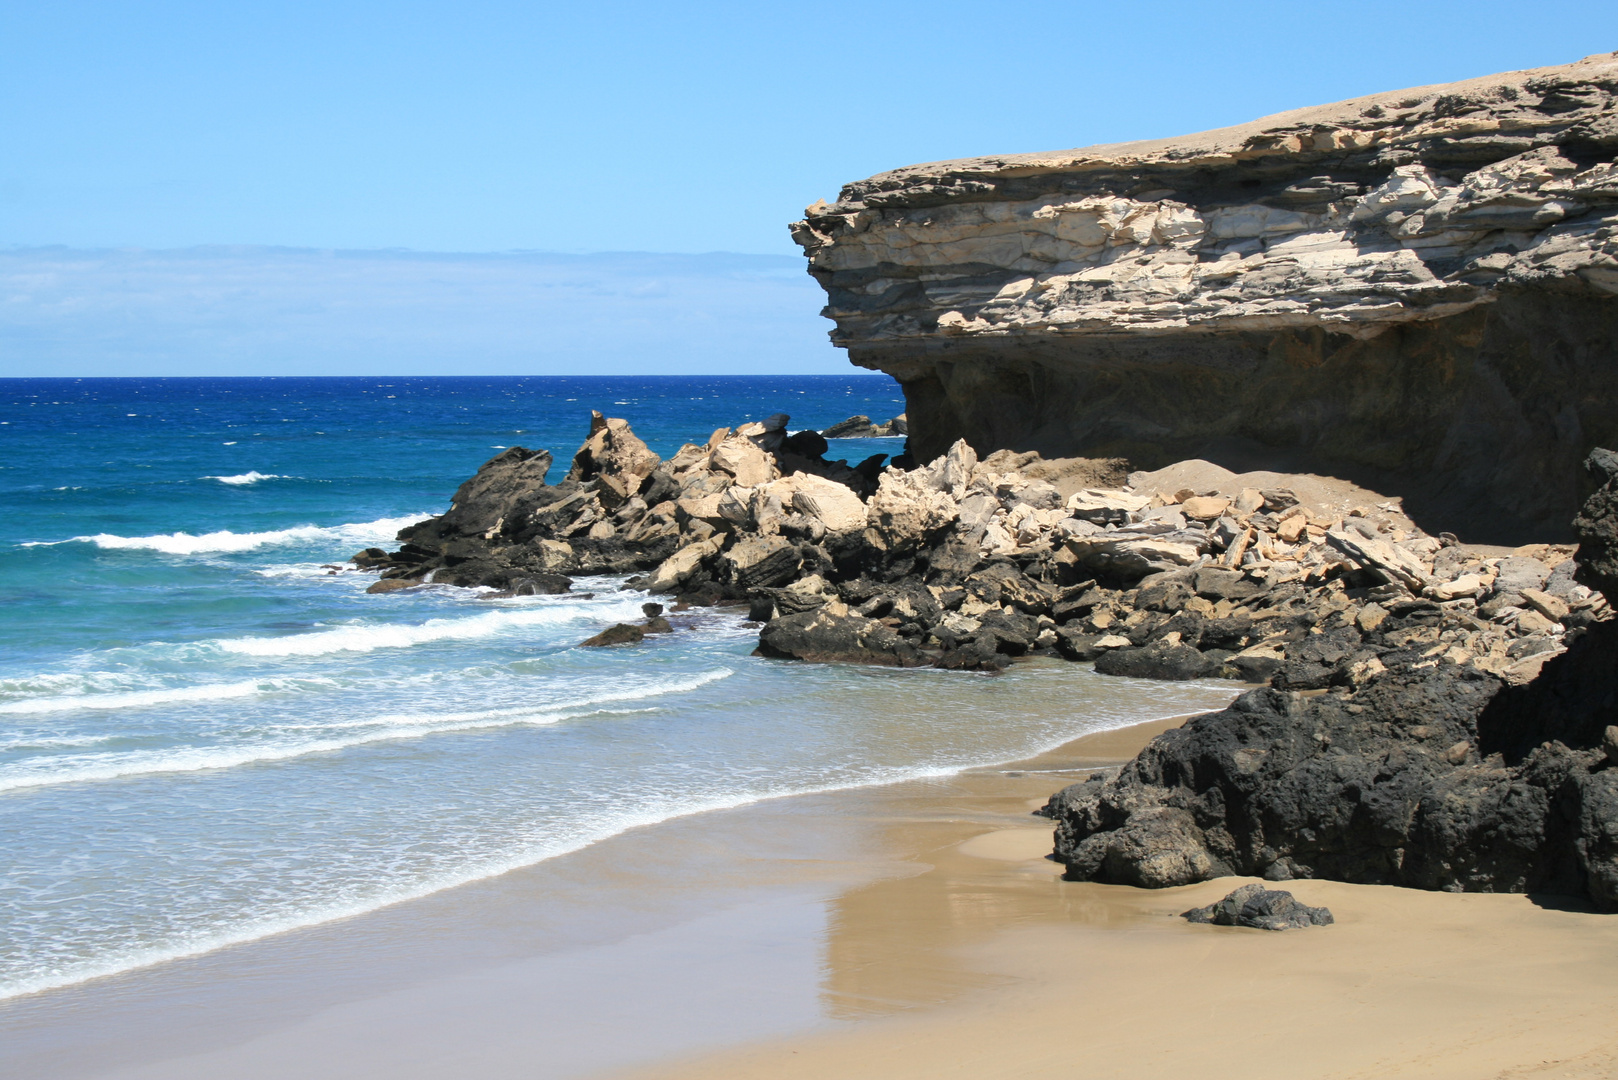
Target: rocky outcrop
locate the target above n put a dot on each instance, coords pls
(860, 427)
(1189, 572)
(621, 509)
(1421, 769)
(1417, 290)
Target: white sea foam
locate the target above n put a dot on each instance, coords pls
(135, 698)
(180, 543)
(250, 477)
(78, 768)
(367, 637)
(649, 812)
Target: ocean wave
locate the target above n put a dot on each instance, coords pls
(371, 636)
(250, 477)
(134, 698)
(647, 813)
(224, 541)
(79, 768)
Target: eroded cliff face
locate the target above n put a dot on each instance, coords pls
(1417, 290)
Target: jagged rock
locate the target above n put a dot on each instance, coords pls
(834, 505)
(909, 506)
(1406, 269)
(760, 562)
(1418, 769)
(617, 634)
(1171, 662)
(1390, 561)
(858, 426)
(1261, 909)
(743, 460)
(827, 638)
(1597, 528)
(618, 461)
(1166, 591)
(678, 568)
(483, 503)
(369, 558)
(1131, 555)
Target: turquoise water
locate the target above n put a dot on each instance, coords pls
(207, 735)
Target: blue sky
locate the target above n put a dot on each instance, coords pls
(615, 127)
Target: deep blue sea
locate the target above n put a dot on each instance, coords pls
(210, 733)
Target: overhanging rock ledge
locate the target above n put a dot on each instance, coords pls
(1417, 290)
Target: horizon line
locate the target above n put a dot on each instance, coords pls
(228, 248)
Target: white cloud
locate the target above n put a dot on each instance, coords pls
(266, 311)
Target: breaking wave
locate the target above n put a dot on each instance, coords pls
(180, 543)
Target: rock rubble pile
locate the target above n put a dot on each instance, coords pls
(968, 564)
(1433, 772)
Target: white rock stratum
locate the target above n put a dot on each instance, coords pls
(1415, 288)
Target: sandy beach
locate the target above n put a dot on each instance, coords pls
(1035, 977)
(914, 929)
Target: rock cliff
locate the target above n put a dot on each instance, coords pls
(1417, 290)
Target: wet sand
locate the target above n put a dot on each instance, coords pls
(908, 930)
(1031, 977)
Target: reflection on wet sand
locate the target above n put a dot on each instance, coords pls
(975, 959)
(977, 867)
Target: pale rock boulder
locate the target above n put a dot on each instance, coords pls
(553, 555)
(674, 570)
(1551, 607)
(1133, 555)
(954, 473)
(1390, 560)
(1107, 507)
(1205, 507)
(760, 562)
(834, 505)
(706, 508)
(1465, 585)
(743, 459)
(998, 539)
(615, 458)
(908, 506)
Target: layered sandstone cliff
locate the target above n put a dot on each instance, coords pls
(1417, 290)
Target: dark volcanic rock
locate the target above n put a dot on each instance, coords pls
(820, 636)
(541, 585)
(1430, 776)
(486, 499)
(1597, 528)
(1261, 909)
(858, 426)
(1156, 661)
(1280, 785)
(619, 634)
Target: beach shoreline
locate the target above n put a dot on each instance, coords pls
(915, 928)
(1055, 979)
(739, 897)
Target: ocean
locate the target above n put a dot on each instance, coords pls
(210, 733)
